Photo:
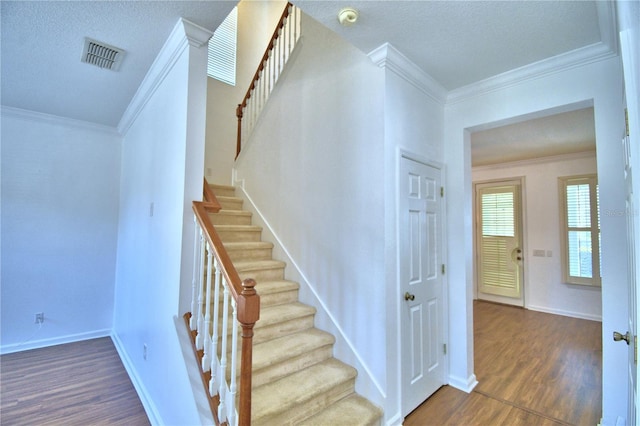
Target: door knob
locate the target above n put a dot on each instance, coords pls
(617, 337)
(409, 296)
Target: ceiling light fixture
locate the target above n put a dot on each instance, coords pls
(348, 16)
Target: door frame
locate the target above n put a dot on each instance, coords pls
(412, 156)
(523, 237)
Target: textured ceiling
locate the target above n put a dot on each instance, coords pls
(42, 44)
(456, 42)
(565, 133)
(461, 42)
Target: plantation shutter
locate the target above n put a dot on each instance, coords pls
(581, 229)
(497, 239)
(221, 63)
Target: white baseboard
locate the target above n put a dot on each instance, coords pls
(580, 315)
(465, 385)
(53, 341)
(147, 402)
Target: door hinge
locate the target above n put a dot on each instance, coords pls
(445, 348)
(635, 350)
(443, 269)
(626, 122)
(442, 187)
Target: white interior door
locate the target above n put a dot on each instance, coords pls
(632, 333)
(499, 242)
(631, 144)
(420, 245)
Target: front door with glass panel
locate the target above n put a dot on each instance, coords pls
(498, 242)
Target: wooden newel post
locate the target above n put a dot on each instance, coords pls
(239, 140)
(248, 315)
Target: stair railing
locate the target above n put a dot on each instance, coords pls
(216, 288)
(278, 52)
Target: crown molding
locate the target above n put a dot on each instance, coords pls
(537, 160)
(388, 57)
(605, 49)
(56, 120)
(573, 59)
(184, 34)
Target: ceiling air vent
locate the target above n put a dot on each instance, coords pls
(101, 54)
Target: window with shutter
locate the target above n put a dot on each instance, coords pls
(580, 229)
(221, 63)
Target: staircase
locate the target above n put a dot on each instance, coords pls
(296, 380)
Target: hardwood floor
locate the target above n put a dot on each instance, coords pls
(82, 383)
(533, 369)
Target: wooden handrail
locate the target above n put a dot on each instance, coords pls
(243, 292)
(256, 76)
(210, 198)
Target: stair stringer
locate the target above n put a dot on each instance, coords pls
(366, 384)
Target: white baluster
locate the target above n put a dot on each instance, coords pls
(222, 415)
(297, 22)
(282, 50)
(193, 321)
(233, 389)
(206, 361)
(216, 335)
(199, 335)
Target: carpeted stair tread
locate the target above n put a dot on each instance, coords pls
(238, 228)
(231, 203)
(249, 250)
(222, 190)
(247, 245)
(277, 350)
(277, 292)
(258, 265)
(279, 286)
(300, 395)
(282, 320)
(353, 410)
(279, 313)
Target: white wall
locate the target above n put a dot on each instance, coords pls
(256, 23)
(543, 287)
(59, 227)
(162, 169)
(598, 82)
(318, 179)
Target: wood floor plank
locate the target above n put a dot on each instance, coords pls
(533, 368)
(81, 383)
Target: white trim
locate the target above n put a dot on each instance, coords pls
(362, 366)
(466, 385)
(537, 160)
(388, 57)
(572, 314)
(138, 384)
(53, 341)
(573, 59)
(184, 34)
(27, 115)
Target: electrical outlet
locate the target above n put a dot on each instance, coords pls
(144, 351)
(39, 318)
